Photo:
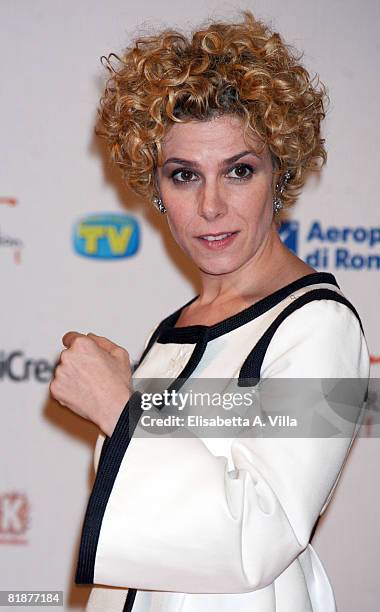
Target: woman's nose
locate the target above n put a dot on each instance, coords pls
(212, 204)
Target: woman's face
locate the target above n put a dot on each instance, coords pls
(211, 183)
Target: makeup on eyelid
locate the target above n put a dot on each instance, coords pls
(245, 166)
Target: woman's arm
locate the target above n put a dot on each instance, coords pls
(174, 518)
(102, 436)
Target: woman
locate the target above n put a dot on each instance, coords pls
(220, 130)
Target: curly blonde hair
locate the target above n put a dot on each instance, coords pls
(242, 69)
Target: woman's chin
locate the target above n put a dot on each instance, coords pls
(214, 267)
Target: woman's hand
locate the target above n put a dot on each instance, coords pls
(93, 379)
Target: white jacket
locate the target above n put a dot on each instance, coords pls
(198, 524)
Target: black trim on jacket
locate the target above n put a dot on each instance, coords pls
(114, 447)
(191, 333)
(250, 371)
(113, 451)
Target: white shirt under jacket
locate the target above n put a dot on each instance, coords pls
(222, 524)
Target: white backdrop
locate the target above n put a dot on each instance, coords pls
(54, 172)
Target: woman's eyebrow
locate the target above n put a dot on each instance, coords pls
(229, 160)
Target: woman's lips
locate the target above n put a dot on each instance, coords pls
(218, 244)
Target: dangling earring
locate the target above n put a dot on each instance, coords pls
(278, 204)
(157, 202)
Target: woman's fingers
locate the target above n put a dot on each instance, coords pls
(69, 337)
(104, 343)
(93, 378)
(101, 341)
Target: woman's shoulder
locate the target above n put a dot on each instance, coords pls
(321, 336)
(324, 307)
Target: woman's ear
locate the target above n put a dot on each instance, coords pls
(276, 170)
(155, 190)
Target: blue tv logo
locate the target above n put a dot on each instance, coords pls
(106, 236)
(289, 231)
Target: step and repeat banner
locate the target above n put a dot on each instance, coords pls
(119, 280)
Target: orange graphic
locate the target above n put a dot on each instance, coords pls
(14, 518)
(11, 201)
(8, 200)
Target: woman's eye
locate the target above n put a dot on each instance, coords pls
(244, 171)
(185, 176)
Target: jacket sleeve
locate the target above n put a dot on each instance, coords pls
(167, 514)
(101, 436)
